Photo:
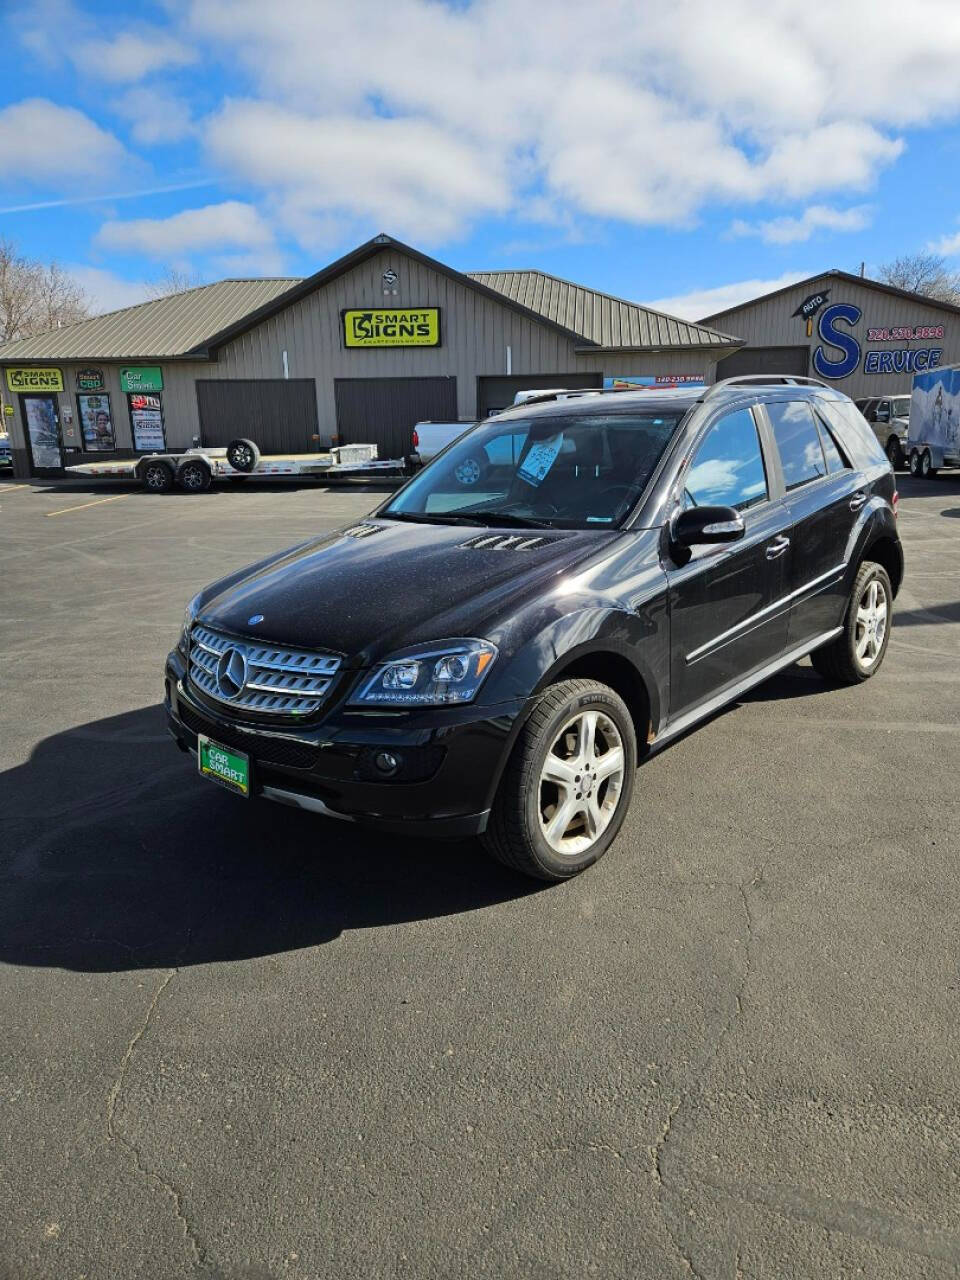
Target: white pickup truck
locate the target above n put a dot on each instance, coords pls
(430, 437)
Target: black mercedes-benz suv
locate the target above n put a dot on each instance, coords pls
(564, 589)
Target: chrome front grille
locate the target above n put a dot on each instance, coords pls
(264, 678)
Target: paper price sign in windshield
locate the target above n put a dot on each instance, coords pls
(540, 459)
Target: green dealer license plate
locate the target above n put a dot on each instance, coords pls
(230, 768)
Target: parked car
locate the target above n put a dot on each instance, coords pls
(889, 416)
(431, 438)
(492, 659)
(934, 439)
(6, 452)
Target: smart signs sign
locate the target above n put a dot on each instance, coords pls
(392, 327)
(839, 353)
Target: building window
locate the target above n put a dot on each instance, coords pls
(96, 423)
(146, 422)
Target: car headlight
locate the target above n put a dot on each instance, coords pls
(189, 618)
(449, 672)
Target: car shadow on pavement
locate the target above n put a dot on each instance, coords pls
(116, 855)
(793, 682)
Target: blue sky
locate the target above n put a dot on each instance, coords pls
(688, 154)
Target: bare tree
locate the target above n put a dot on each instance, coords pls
(35, 296)
(925, 273)
(172, 280)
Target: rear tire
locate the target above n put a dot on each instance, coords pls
(914, 462)
(895, 453)
(927, 469)
(566, 788)
(242, 454)
(858, 652)
(193, 477)
(156, 477)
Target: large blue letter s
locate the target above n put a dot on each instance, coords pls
(834, 337)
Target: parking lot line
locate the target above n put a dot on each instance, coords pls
(117, 497)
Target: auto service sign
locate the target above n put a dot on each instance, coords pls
(392, 327)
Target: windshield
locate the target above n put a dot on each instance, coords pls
(563, 471)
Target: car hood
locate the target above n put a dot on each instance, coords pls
(384, 585)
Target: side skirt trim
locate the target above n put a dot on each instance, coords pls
(676, 727)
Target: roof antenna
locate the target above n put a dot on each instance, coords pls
(862, 269)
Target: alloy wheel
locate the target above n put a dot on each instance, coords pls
(872, 612)
(580, 782)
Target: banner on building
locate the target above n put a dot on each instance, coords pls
(34, 379)
(393, 327)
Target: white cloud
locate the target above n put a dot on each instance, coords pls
(155, 115)
(131, 55)
(40, 142)
(230, 225)
(707, 302)
(445, 112)
(107, 291)
(816, 217)
(948, 245)
(410, 175)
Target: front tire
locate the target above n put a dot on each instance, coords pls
(895, 453)
(566, 788)
(858, 651)
(927, 469)
(914, 462)
(156, 477)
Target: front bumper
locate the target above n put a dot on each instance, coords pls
(451, 759)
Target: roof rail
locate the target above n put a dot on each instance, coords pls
(765, 379)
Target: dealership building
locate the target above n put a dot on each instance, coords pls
(358, 353)
(386, 337)
(864, 337)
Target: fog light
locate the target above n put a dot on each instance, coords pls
(386, 762)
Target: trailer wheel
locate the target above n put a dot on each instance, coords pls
(194, 477)
(242, 454)
(157, 477)
(914, 462)
(927, 469)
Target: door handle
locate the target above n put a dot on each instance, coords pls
(857, 501)
(777, 547)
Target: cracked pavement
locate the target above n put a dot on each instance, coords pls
(243, 1043)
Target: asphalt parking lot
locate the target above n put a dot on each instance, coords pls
(239, 1041)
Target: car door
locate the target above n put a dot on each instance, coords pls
(822, 498)
(726, 616)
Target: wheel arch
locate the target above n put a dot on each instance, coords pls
(885, 550)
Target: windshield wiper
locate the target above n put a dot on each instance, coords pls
(423, 517)
(493, 518)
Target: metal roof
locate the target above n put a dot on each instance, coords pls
(176, 325)
(834, 274)
(600, 318)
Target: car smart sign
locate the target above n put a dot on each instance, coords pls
(393, 327)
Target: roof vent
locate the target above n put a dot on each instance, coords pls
(362, 530)
(504, 542)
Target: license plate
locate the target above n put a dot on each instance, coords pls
(224, 765)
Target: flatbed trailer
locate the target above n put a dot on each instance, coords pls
(194, 470)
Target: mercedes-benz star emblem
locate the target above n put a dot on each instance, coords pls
(231, 673)
(257, 617)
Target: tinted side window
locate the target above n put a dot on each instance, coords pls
(798, 442)
(835, 459)
(727, 468)
(856, 439)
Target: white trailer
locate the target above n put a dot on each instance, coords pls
(933, 440)
(196, 469)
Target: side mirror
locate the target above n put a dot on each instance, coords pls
(883, 415)
(701, 525)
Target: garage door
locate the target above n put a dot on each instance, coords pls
(494, 394)
(795, 360)
(280, 414)
(384, 411)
